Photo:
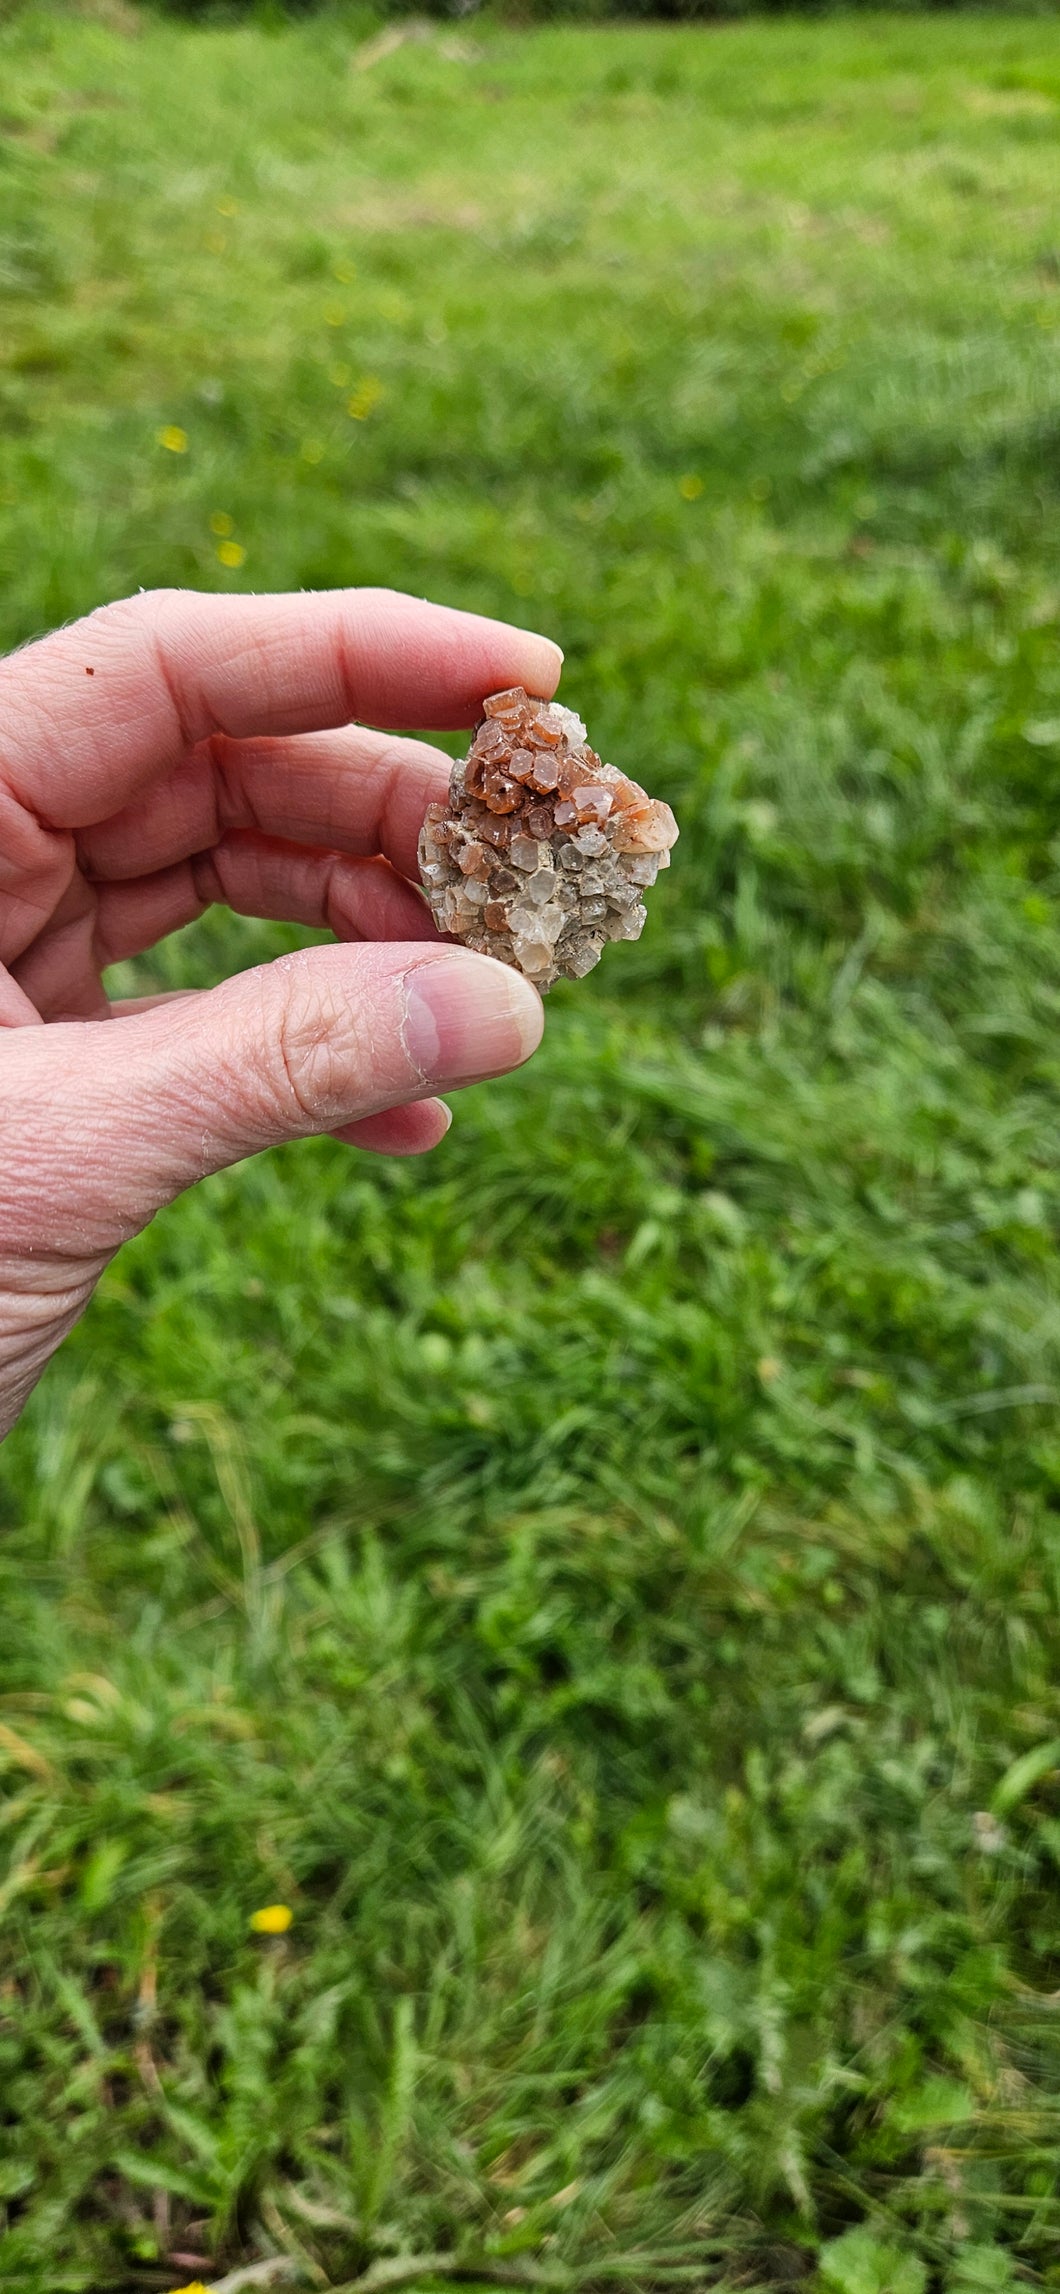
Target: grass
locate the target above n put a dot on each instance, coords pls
(604, 1580)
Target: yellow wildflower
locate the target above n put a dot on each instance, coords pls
(272, 1920)
(221, 523)
(173, 438)
(231, 553)
(313, 450)
(690, 488)
(366, 396)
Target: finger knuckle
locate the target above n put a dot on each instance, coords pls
(131, 613)
(311, 1059)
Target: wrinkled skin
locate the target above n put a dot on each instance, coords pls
(171, 751)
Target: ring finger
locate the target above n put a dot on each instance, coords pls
(357, 899)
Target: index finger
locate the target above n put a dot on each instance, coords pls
(92, 714)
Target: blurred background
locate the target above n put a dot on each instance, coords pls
(601, 1582)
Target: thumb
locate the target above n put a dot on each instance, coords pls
(136, 1110)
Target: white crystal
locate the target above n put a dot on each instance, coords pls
(567, 721)
(540, 887)
(533, 955)
(630, 925)
(581, 956)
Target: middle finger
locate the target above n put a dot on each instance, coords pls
(352, 791)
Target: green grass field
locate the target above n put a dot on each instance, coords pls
(604, 1579)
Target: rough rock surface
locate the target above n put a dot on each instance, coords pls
(542, 853)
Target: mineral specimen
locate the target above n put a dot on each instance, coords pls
(542, 853)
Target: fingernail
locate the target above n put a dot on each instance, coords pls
(544, 661)
(467, 1017)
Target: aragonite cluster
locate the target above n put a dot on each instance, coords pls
(542, 853)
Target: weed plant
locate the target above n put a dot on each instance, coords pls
(603, 1580)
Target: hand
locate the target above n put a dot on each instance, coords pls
(166, 753)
